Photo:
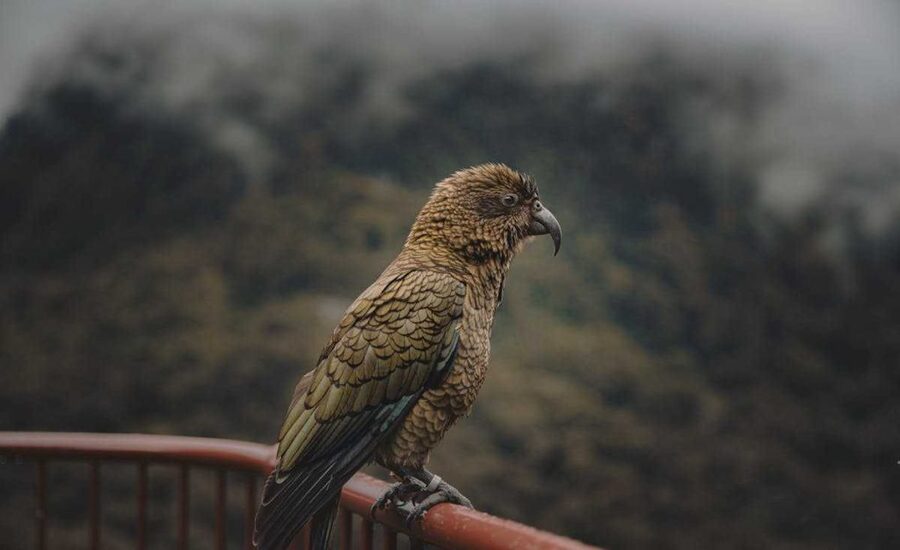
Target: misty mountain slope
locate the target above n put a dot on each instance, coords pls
(58, 198)
(694, 369)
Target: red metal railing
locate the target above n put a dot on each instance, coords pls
(445, 526)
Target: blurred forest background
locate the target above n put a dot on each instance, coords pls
(190, 196)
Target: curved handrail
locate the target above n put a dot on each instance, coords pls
(447, 526)
(202, 451)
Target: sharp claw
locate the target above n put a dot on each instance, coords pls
(390, 497)
(417, 515)
(383, 500)
(444, 493)
(410, 519)
(377, 505)
(403, 497)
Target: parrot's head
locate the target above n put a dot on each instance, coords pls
(484, 213)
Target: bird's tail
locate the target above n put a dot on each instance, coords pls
(291, 500)
(322, 524)
(292, 497)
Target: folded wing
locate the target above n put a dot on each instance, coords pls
(397, 339)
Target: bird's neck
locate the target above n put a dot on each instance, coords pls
(490, 276)
(484, 272)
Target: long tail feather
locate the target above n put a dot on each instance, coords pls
(322, 524)
(291, 499)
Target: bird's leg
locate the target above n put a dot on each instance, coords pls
(413, 483)
(405, 489)
(437, 491)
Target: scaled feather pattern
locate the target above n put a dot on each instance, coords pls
(409, 355)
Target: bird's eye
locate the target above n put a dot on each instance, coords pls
(509, 200)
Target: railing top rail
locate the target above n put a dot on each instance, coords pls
(203, 451)
(455, 527)
(448, 526)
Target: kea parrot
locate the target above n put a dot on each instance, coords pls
(406, 360)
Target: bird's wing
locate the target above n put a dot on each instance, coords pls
(390, 344)
(398, 338)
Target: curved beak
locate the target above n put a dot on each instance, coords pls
(543, 222)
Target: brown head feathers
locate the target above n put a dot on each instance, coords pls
(477, 215)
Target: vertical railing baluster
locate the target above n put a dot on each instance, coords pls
(94, 505)
(303, 542)
(142, 506)
(40, 505)
(346, 523)
(221, 495)
(184, 507)
(366, 532)
(249, 511)
(389, 540)
(295, 544)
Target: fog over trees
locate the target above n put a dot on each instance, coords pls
(190, 196)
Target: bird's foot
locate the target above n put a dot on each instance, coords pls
(437, 492)
(397, 496)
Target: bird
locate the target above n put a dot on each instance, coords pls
(407, 359)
